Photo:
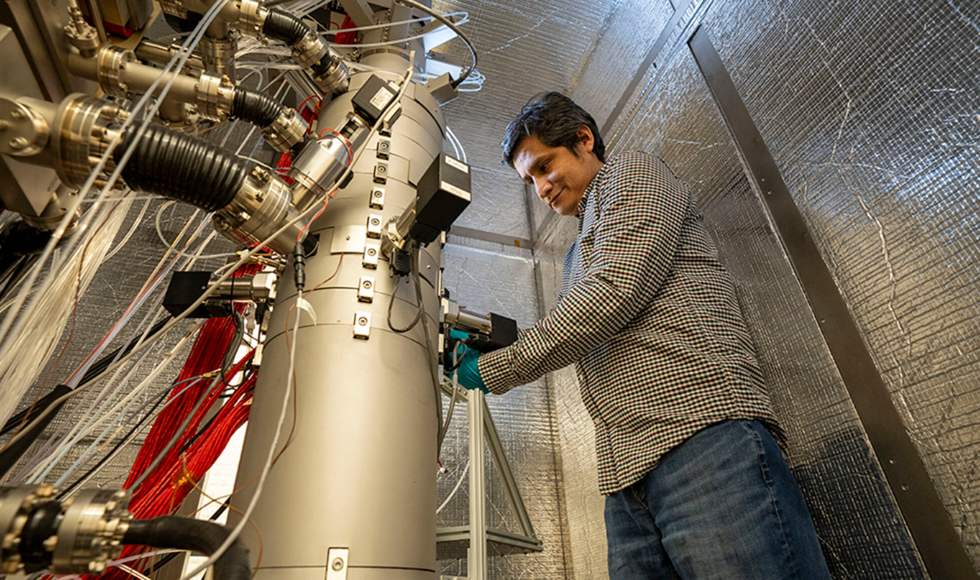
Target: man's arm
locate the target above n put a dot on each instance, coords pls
(641, 207)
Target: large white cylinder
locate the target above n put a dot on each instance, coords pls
(359, 472)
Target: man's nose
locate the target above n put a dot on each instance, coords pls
(543, 186)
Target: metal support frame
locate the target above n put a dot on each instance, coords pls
(475, 537)
(476, 557)
(939, 545)
(359, 12)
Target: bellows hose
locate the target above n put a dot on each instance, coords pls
(254, 107)
(285, 27)
(181, 167)
(197, 535)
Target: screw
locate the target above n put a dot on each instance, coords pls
(372, 251)
(361, 321)
(377, 193)
(375, 221)
(15, 114)
(338, 565)
(18, 143)
(367, 284)
(382, 169)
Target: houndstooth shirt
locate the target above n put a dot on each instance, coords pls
(649, 316)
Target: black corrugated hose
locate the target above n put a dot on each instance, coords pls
(254, 107)
(181, 167)
(285, 27)
(197, 535)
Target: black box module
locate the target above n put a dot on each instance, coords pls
(444, 192)
(185, 288)
(373, 98)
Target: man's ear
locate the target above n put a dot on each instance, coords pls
(585, 139)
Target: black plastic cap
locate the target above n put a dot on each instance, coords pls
(444, 192)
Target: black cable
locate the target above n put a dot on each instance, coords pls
(232, 350)
(14, 451)
(449, 24)
(197, 535)
(29, 414)
(418, 302)
(169, 557)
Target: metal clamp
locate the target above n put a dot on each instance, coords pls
(381, 173)
(252, 18)
(335, 78)
(365, 289)
(362, 325)
(371, 254)
(287, 130)
(377, 200)
(309, 50)
(374, 225)
(215, 96)
(112, 62)
(337, 558)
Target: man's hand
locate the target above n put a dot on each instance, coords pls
(467, 371)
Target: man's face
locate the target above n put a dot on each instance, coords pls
(559, 176)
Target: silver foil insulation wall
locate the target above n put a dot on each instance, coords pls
(867, 111)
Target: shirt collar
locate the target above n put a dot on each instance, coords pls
(590, 188)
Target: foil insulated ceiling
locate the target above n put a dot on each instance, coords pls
(524, 48)
(870, 112)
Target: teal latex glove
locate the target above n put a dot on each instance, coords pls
(467, 371)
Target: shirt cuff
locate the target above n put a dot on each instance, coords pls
(497, 371)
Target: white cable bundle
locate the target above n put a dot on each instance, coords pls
(24, 357)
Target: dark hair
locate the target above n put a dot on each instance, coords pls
(554, 119)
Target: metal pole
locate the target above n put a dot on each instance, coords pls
(476, 559)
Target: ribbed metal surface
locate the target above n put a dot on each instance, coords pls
(857, 520)
(871, 139)
(876, 143)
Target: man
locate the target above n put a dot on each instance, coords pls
(696, 485)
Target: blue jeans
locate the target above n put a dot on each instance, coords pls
(721, 505)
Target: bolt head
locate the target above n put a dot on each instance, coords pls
(377, 193)
(372, 252)
(337, 565)
(367, 285)
(362, 321)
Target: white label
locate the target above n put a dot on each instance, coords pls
(381, 98)
(456, 190)
(458, 164)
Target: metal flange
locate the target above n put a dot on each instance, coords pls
(215, 96)
(112, 62)
(23, 132)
